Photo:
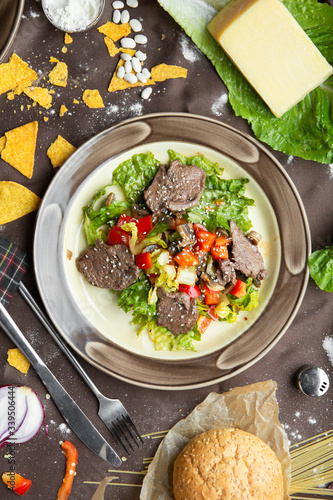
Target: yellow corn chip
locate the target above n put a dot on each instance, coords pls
(58, 75)
(115, 31)
(20, 147)
(16, 201)
(164, 72)
(54, 59)
(75, 101)
(92, 99)
(64, 50)
(121, 84)
(2, 143)
(67, 38)
(62, 110)
(40, 95)
(112, 49)
(59, 151)
(16, 359)
(10, 96)
(14, 73)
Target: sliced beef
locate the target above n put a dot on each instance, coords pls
(226, 272)
(246, 257)
(108, 266)
(176, 311)
(176, 189)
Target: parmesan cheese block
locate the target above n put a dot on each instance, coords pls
(271, 50)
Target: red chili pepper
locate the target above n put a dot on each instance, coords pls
(144, 260)
(192, 291)
(239, 289)
(186, 258)
(212, 297)
(117, 235)
(71, 461)
(203, 323)
(205, 240)
(16, 483)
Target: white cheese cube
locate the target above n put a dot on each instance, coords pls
(271, 50)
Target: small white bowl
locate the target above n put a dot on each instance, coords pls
(66, 27)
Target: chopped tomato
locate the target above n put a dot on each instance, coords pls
(212, 313)
(192, 291)
(220, 250)
(16, 483)
(205, 240)
(212, 297)
(186, 258)
(203, 323)
(239, 289)
(144, 260)
(144, 225)
(117, 235)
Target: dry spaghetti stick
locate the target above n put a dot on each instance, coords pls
(71, 461)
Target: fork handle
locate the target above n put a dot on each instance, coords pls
(26, 294)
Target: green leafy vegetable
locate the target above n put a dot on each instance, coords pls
(321, 268)
(249, 300)
(165, 340)
(134, 175)
(307, 129)
(135, 299)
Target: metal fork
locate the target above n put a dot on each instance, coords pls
(111, 411)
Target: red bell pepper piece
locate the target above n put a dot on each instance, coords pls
(144, 260)
(186, 258)
(212, 297)
(144, 225)
(212, 313)
(192, 291)
(203, 323)
(220, 250)
(124, 219)
(16, 483)
(239, 289)
(205, 240)
(117, 235)
(71, 461)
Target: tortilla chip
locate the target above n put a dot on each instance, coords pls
(2, 143)
(16, 359)
(62, 110)
(67, 38)
(112, 49)
(10, 96)
(115, 31)
(40, 95)
(14, 73)
(16, 201)
(164, 72)
(75, 101)
(121, 84)
(20, 147)
(92, 99)
(59, 151)
(58, 75)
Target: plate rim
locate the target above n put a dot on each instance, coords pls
(301, 290)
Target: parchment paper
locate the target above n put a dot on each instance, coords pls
(252, 408)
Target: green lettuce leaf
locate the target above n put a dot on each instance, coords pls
(321, 268)
(165, 340)
(307, 129)
(249, 300)
(135, 299)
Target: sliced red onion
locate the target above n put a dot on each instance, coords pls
(21, 414)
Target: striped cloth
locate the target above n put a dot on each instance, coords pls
(13, 265)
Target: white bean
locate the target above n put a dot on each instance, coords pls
(128, 66)
(135, 25)
(118, 4)
(121, 72)
(125, 57)
(132, 3)
(136, 64)
(130, 78)
(142, 39)
(141, 78)
(125, 17)
(116, 16)
(140, 55)
(146, 72)
(145, 94)
(128, 43)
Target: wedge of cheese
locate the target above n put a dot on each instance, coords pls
(271, 50)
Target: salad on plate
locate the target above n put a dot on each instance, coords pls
(179, 249)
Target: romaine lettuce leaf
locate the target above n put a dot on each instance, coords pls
(134, 299)
(307, 129)
(321, 268)
(249, 300)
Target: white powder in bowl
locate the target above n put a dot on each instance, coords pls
(72, 15)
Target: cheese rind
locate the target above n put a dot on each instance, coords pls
(272, 51)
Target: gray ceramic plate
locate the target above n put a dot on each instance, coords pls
(89, 319)
(10, 17)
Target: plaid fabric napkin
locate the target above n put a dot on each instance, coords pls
(13, 265)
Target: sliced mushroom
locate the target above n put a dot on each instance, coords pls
(187, 234)
(254, 237)
(109, 199)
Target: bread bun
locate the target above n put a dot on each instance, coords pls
(227, 464)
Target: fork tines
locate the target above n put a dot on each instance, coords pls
(122, 431)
